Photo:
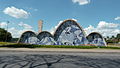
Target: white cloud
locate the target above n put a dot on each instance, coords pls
(33, 9)
(26, 26)
(15, 12)
(16, 33)
(105, 25)
(81, 2)
(117, 18)
(3, 24)
(104, 28)
(89, 29)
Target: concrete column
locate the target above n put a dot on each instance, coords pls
(40, 22)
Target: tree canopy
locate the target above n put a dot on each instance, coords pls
(5, 36)
(113, 39)
(118, 36)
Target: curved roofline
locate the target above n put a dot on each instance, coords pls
(96, 33)
(24, 33)
(28, 31)
(45, 32)
(65, 22)
(100, 35)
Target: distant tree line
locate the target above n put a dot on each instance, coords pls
(113, 39)
(5, 36)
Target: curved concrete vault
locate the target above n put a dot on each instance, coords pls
(96, 39)
(69, 32)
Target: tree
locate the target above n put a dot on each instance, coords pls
(118, 36)
(113, 37)
(107, 37)
(5, 36)
(14, 39)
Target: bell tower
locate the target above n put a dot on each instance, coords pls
(40, 22)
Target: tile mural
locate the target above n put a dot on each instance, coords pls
(69, 32)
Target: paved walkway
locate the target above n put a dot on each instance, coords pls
(61, 50)
(59, 58)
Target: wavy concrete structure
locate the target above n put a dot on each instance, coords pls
(28, 37)
(69, 32)
(96, 39)
(45, 38)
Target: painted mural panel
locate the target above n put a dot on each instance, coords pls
(70, 33)
(67, 33)
(45, 38)
(96, 39)
(28, 37)
(31, 40)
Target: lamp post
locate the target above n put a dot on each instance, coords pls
(7, 31)
(0, 24)
(7, 24)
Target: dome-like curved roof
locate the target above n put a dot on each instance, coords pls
(45, 38)
(26, 35)
(94, 33)
(69, 32)
(44, 34)
(96, 38)
(63, 25)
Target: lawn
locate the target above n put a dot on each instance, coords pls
(16, 45)
(6, 43)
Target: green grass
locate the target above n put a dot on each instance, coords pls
(16, 45)
(6, 43)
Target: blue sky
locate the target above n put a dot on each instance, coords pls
(93, 15)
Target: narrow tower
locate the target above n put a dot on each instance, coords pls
(40, 22)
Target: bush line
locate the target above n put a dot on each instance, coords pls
(56, 46)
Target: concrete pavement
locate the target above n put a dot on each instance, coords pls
(61, 50)
(59, 58)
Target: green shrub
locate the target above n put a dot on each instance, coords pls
(16, 45)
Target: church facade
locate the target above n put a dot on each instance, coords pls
(69, 32)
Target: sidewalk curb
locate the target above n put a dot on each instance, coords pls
(67, 50)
